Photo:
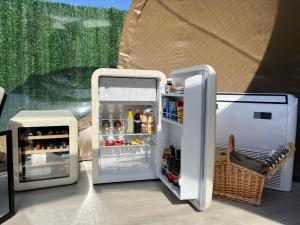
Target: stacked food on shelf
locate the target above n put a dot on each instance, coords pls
(173, 103)
(120, 132)
(38, 139)
(174, 87)
(173, 109)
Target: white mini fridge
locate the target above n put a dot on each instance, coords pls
(137, 154)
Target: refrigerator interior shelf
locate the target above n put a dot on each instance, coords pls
(45, 151)
(170, 121)
(172, 187)
(41, 137)
(124, 146)
(128, 134)
(173, 95)
(130, 103)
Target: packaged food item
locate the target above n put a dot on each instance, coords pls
(119, 143)
(151, 124)
(111, 138)
(144, 122)
(110, 143)
(172, 110)
(117, 125)
(179, 90)
(130, 122)
(168, 85)
(102, 143)
(137, 141)
(179, 110)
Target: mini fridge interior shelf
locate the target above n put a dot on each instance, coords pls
(45, 149)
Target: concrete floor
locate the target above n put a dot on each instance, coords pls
(144, 203)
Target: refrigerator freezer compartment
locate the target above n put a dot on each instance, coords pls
(127, 89)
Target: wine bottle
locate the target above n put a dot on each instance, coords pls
(164, 161)
(171, 163)
(137, 122)
(176, 168)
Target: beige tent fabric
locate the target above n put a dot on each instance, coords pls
(231, 35)
(254, 45)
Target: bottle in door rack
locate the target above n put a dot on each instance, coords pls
(170, 164)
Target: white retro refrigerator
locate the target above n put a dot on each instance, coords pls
(124, 153)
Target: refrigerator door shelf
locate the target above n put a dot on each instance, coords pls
(195, 137)
(171, 121)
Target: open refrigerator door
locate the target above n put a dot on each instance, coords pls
(192, 135)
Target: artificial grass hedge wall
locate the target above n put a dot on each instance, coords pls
(42, 43)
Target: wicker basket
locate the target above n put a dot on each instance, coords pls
(239, 183)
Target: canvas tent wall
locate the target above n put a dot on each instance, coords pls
(253, 44)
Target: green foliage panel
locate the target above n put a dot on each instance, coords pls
(48, 52)
(38, 38)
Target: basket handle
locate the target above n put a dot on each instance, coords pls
(230, 147)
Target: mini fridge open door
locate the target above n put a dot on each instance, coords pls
(7, 209)
(195, 137)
